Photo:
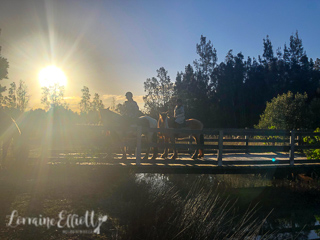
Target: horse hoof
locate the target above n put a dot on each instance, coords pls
(194, 157)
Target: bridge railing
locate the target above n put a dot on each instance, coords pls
(242, 140)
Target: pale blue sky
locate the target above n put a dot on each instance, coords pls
(114, 46)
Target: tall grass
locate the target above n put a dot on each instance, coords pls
(154, 207)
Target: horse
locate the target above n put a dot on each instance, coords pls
(193, 124)
(9, 130)
(120, 127)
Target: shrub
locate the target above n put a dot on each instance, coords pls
(315, 140)
(286, 111)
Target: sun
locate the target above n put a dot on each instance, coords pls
(52, 75)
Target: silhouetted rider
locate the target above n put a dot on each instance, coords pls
(131, 108)
(179, 118)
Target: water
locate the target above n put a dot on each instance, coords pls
(291, 209)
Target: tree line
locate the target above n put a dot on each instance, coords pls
(234, 93)
(281, 85)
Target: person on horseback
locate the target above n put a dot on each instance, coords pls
(131, 108)
(179, 118)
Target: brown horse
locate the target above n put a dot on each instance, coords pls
(120, 127)
(192, 124)
(8, 130)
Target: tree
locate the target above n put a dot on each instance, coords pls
(208, 57)
(85, 104)
(159, 92)
(287, 111)
(22, 96)
(96, 104)
(53, 96)
(267, 50)
(4, 65)
(11, 99)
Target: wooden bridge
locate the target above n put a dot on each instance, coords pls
(227, 151)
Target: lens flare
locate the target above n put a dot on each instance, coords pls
(52, 75)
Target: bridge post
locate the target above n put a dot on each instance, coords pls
(220, 150)
(138, 149)
(247, 141)
(292, 142)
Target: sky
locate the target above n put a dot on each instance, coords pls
(113, 46)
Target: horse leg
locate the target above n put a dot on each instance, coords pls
(155, 149)
(195, 154)
(146, 157)
(175, 153)
(201, 154)
(165, 153)
(124, 153)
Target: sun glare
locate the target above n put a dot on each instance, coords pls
(51, 75)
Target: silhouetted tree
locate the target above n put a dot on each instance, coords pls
(4, 65)
(53, 96)
(22, 96)
(11, 99)
(159, 91)
(96, 104)
(85, 103)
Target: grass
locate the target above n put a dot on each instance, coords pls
(138, 207)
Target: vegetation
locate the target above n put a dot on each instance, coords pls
(287, 111)
(137, 208)
(234, 93)
(315, 140)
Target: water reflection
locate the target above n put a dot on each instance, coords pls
(290, 212)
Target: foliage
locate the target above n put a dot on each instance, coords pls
(287, 111)
(4, 65)
(96, 104)
(313, 116)
(315, 140)
(159, 92)
(17, 98)
(85, 104)
(234, 92)
(53, 96)
(89, 110)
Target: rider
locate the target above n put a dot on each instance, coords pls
(179, 114)
(131, 108)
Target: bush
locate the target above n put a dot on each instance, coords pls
(315, 140)
(287, 111)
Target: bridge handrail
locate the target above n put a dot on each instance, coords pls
(240, 132)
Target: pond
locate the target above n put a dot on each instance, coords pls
(160, 206)
(288, 210)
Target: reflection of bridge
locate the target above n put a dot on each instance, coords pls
(227, 151)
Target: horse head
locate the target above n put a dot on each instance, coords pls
(162, 119)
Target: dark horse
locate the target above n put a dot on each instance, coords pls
(8, 130)
(120, 127)
(193, 124)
